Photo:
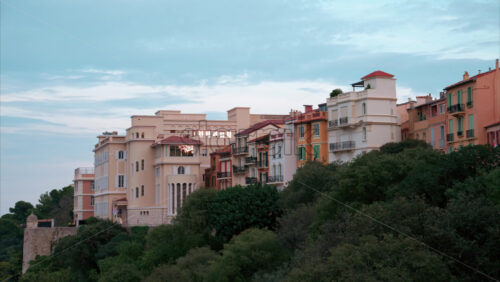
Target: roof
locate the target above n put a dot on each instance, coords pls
(431, 102)
(260, 125)
(493, 124)
(473, 78)
(258, 139)
(377, 73)
(178, 140)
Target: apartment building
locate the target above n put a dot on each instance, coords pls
(360, 121)
(143, 177)
(83, 184)
(473, 109)
(245, 151)
(312, 135)
(282, 155)
(219, 175)
(427, 121)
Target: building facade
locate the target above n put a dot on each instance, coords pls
(473, 105)
(312, 135)
(361, 121)
(282, 156)
(83, 184)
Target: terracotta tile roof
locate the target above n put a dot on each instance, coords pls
(377, 73)
(178, 140)
(468, 79)
(262, 138)
(260, 125)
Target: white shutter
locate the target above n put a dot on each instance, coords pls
(116, 155)
(125, 155)
(116, 181)
(188, 169)
(124, 181)
(175, 170)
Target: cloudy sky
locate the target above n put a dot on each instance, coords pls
(72, 69)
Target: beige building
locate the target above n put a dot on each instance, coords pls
(142, 178)
(360, 121)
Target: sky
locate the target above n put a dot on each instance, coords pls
(70, 70)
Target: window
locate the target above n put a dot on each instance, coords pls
(121, 155)
(279, 151)
(450, 99)
(450, 149)
(204, 152)
(121, 181)
(157, 172)
(137, 135)
(459, 97)
(316, 151)
(142, 164)
(450, 127)
(142, 135)
(316, 129)
(363, 108)
(441, 109)
(460, 122)
(142, 190)
(471, 122)
(182, 151)
(92, 187)
(180, 170)
(137, 166)
(364, 134)
(301, 153)
(301, 132)
(137, 192)
(92, 200)
(469, 96)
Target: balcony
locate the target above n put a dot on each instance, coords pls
(449, 137)
(457, 109)
(333, 123)
(250, 160)
(342, 146)
(226, 174)
(469, 133)
(262, 164)
(225, 155)
(469, 104)
(460, 133)
(250, 180)
(343, 121)
(239, 169)
(275, 179)
(240, 150)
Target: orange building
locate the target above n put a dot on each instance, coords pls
(219, 174)
(473, 108)
(83, 194)
(311, 129)
(427, 121)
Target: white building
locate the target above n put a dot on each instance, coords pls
(361, 121)
(282, 156)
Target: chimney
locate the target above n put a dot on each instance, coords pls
(496, 64)
(478, 71)
(308, 108)
(466, 75)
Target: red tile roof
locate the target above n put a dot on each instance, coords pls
(262, 138)
(377, 73)
(178, 140)
(468, 79)
(260, 125)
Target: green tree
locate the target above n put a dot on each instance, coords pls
(21, 211)
(56, 204)
(335, 92)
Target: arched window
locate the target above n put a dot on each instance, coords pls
(180, 170)
(364, 108)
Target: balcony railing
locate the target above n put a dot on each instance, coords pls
(226, 174)
(333, 123)
(250, 180)
(449, 137)
(469, 133)
(456, 109)
(262, 163)
(240, 150)
(460, 133)
(275, 179)
(225, 155)
(250, 160)
(469, 104)
(343, 121)
(84, 170)
(342, 146)
(239, 169)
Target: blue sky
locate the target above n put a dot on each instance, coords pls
(72, 69)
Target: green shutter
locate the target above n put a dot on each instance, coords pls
(450, 99)
(316, 151)
(303, 153)
(451, 126)
(460, 122)
(469, 94)
(459, 97)
(471, 122)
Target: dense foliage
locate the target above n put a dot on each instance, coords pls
(404, 213)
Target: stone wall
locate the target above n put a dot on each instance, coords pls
(39, 241)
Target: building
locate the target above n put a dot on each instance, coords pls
(245, 151)
(473, 109)
(143, 177)
(360, 121)
(427, 121)
(282, 155)
(83, 183)
(312, 135)
(219, 175)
